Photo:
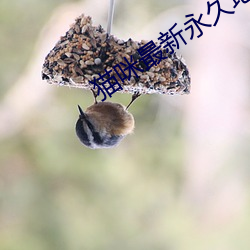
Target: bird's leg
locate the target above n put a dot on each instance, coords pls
(134, 97)
(95, 95)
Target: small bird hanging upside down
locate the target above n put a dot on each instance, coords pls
(104, 124)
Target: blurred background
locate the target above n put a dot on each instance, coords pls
(180, 182)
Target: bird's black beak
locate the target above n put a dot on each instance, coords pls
(82, 115)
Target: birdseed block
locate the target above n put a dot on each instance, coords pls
(87, 53)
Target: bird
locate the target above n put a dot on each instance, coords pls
(104, 124)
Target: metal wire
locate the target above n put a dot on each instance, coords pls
(110, 15)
